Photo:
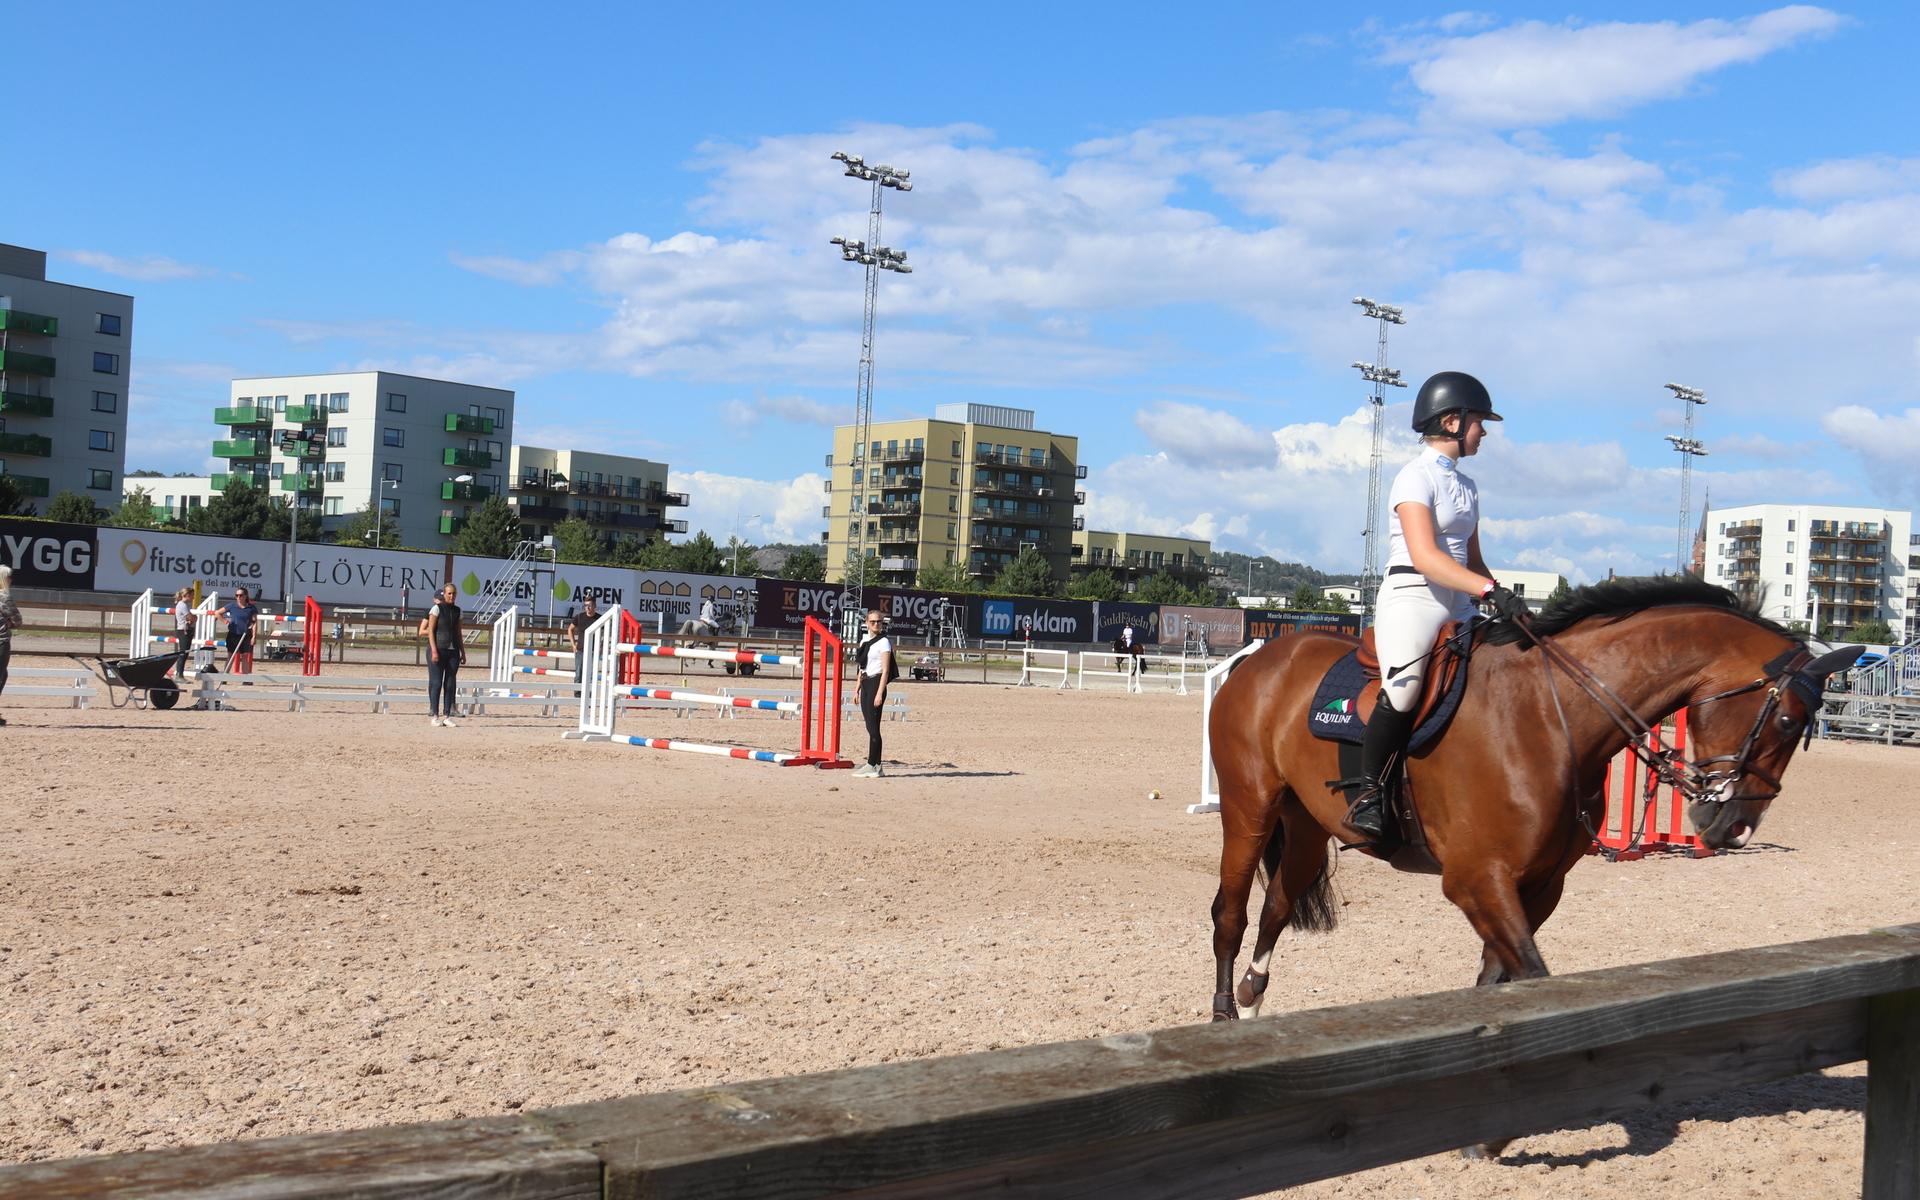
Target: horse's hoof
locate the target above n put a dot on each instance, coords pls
(1227, 1015)
(1223, 1009)
(1484, 1152)
(1253, 985)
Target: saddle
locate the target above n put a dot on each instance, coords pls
(1349, 689)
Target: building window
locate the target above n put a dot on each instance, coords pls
(276, 470)
(336, 402)
(953, 504)
(499, 416)
(330, 506)
(107, 323)
(106, 364)
(390, 505)
(106, 402)
(333, 472)
(1789, 547)
(953, 476)
(280, 404)
(953, 530)
(390, 471)
(1789, 526)
(393, 437)
(956, 450)
(1789, 568)
(336, 437)
(100, 480)
(499, 452)
(396, 402)
(1787, 590)
(100, 439)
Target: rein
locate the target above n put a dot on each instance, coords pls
(1665, 765)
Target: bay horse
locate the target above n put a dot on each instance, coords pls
(1509, 794)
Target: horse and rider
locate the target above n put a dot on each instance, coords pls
(1502, 798)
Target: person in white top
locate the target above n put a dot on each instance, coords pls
(1435, 574)
(708, 617)
(874, 656)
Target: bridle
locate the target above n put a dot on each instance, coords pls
(1701, 781)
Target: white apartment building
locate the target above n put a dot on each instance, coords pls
(172, 496)
(428, 451)
(618, 496)
(1843, 564)
(66, 354)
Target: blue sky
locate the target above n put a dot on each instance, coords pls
(1145, 227)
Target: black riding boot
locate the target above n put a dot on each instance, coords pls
(1388, 732)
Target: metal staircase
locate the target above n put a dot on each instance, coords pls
(529, 557)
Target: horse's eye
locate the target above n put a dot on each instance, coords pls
(1787, 721)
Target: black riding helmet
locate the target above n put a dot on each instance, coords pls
(1450, 392)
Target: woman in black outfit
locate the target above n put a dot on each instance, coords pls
(446, 654)
(874, 657)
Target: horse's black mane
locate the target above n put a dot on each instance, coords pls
(1625, 596)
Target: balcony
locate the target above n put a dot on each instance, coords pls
(1079, 472)
(542, 512)
(16, 362)
(464, 491)
(901, 483)
(630, 520)
(301, 481)
(450, 524)
(1749, 529)
(33, 486)
(1079, 524)
(32, 445)
(1747, 552)
(1000, 457)
(1079, 499)
(659, 495)
(12, 320)
(901, 455)
(468, 423)
(893, 508)
(307, 414)
(240, 448)
(455, 457)
(247, 415)
(1000, 487)
(899, 564)
(1859, 531)
(224, 479)
(307, 451)
(24, 404)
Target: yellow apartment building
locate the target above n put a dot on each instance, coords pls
(1132, 557)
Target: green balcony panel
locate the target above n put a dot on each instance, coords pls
(35, 486)
(467, 423)
(466, 458)
(242, 416)
(14, 321)
(307, 414)
(463, 491)
(305, 481)
(18, 362)
(305, 451)
(452, 524)
(31, 444)
(240, 448)
(223, 479)
(20, 404)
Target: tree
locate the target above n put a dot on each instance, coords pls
(1561, 593)
(867, 572)
(135, 512)
(575, 541)
(659, 555)
(698, 555)
(12, 503)
(365, 528)
(944, 577)
(1335, 604)
(805, 565)
(1306, 598)
(274, 528)
(1874, 630)
(1027, 575)
(493, 531)
(1162, 588)
(740, 559)
(238, 511)
(1097, 584)
(73, 508)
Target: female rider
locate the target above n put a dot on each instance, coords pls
(1435, 573)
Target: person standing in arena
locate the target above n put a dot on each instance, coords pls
(183, 627)
(1435, 573)
(874, 658)
(446, 654)
(242, 615)
(577, 626)
(9, 621)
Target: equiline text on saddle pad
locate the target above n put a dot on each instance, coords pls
(1351, 685)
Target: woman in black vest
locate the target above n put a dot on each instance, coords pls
(446, 654)
(874, 657)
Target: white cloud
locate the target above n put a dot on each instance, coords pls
(1533, 73)
(1888, 445)
(1204, 437)
(151, 268)
(1849, 179)
(547, 270)
(799, 410)
(767, 510)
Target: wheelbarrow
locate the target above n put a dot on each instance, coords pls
(145, 680)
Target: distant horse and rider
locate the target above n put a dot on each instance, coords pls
(712, 623)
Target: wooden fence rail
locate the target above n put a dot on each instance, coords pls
(1192, 1113)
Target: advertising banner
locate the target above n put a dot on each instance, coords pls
(541, 589)
(47, 554)
(1270, 623)
(133, 560)
(786, 604)
(677, 597)
(1225, 627)
(1013, 616)
(1111, 616)
(359, 577)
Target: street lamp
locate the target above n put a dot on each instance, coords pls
(874, 258)
(736, 540)
(380, 510)
(1381, 377)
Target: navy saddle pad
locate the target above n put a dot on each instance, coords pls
(1334, 715)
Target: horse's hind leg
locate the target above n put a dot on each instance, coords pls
(1295, 859)
(1247, 819)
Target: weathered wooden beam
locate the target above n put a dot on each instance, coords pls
(487, 1159)
(1892, 1168)
(864, 1128)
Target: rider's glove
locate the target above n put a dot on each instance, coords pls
(1504, 603)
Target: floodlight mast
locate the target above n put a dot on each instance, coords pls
(875, 258)
(1381, 377)
(1689, 448)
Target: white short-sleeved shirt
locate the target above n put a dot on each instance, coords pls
(877, 653)
(1435, 481)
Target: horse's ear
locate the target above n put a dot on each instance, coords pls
(1834, 660)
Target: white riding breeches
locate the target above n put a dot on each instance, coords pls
(1407, 617)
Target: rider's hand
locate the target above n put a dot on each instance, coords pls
(1504, 603)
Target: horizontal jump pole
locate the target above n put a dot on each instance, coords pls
(567, 671)
(777, 757)
(530, 652)
(656, 693)
(732, 656)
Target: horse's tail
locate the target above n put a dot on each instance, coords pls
(1313, 910)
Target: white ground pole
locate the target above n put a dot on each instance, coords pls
(597, 701)
(1209, 784)
(1131, 674)
(1028, 670)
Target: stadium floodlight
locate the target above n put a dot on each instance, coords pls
(1390, 313)
(1381, 377)
(1689, 448)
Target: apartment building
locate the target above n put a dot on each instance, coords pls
(618, 496)
(973, 485)
(1132, 557)
(1831, 566)
(66, 354)
(427, 451)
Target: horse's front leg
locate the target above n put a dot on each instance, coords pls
(1537, 905)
